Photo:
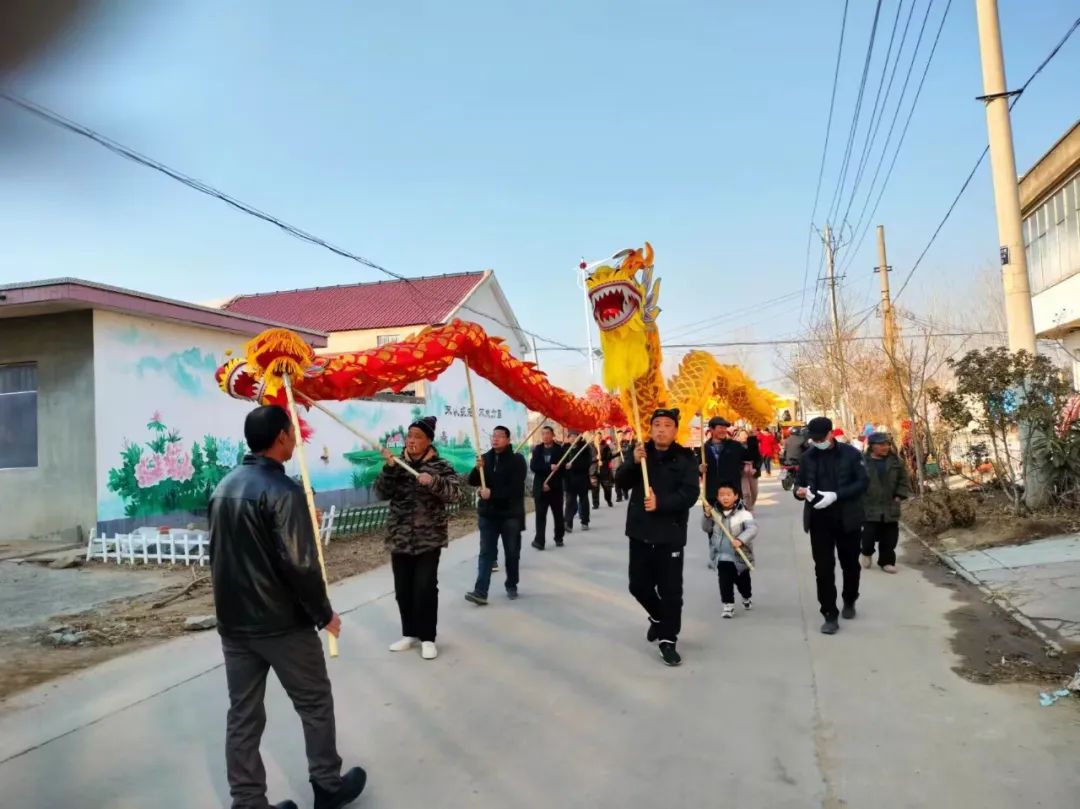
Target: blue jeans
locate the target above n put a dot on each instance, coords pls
(491, 528)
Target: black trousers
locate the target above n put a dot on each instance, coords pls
(730, 578)
(621, 494)
(297, 660)
(829, 542)
(416, 586)
(656, 581)
(577, 503)
(606, 485)
(885, 535)
(552, 500)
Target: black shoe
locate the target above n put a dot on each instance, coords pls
(512, 594)
(569, 529)
(559, 544)
(653, 635)
(848, 612)
(352, 784)
(536, 543)
(476, 598)
(668, 654)
(286, 805)
(831, 626)
(585, 527)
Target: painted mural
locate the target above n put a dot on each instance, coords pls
(166, 435)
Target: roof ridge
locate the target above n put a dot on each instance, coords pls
(463, 274)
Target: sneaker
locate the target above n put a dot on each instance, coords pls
(475, 598)
(830, 627)
(286, 805)
(866, 561)
(352, 784)
(729, 611)
(512, 594)
(889, 568)
(428, 650)
(569, 529)
(848, 612)
(495, 568)
(586, 527)
(559, 544)
(747, 604)
(654, 631)
(536, 543)
(668, 653)
(404, 644)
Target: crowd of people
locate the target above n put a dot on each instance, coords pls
(271, 598)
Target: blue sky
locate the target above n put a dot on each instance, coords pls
(434, 137)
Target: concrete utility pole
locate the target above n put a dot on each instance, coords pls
(1018, 315)
(888, 322)
(830, 261)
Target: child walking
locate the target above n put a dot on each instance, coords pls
(731, 528)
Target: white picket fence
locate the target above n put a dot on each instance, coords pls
(180, 546)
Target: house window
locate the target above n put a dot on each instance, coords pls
(18, 416)
(383, 339)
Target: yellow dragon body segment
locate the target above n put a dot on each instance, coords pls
(624, 296)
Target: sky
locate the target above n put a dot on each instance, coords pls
(433, 137)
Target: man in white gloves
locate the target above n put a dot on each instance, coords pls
(831, 482)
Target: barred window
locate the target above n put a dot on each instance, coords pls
(18, 416)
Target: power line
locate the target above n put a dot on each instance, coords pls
(197, 185)
(1016, 99)
(824, 153)
(838, 194)
(698, 326)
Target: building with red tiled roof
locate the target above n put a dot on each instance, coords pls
(359, 316)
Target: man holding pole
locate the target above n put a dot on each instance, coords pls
(269, 596)
(548, 487)
(656, 520)
(501, 513)
(581, 469)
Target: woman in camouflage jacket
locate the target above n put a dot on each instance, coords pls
(417, 531)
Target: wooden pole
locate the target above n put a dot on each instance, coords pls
(475, 423)
(566, 460)
(354, 431)
(640, 432)
(308, 494)
(704, 475)
(525, 440)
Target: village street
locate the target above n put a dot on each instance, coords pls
(557, 700)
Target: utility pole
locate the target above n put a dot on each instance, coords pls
(1020, 321)
(888, 322)
(1019, 318)
(830, 261)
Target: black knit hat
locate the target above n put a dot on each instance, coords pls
(818, 428)
(426, 425)
(666, 412)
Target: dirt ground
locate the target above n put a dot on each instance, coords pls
(992, 647)
(28, 657)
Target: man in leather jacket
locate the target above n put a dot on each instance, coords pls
(270, 597)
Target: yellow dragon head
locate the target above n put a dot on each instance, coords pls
(623, 296)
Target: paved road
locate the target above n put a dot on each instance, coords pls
(556, 700)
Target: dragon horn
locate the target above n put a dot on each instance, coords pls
(648, 255)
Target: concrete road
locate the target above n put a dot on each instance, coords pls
(556, 700)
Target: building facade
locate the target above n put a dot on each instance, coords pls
(1050, 206)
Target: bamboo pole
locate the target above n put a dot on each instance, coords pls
(308, 494)
(705, 474)
(475, 422)
(354, 431)
(640, 433)
(565, 461)
(525, 440)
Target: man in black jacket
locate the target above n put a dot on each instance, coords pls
(269, 596)
(626, 451)
(656, 525)
(581, 462)
(501, 513)
(725, 458)
(545, 462)
(831, 482)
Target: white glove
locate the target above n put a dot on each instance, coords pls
(827, 499)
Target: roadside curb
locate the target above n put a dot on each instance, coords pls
(1000, 600)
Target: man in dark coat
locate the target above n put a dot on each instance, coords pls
(501, 513)
(581, 466)
(269, 596)
(603, 477)
(625, 453)
(725, 458)
(889, 486)
(831, 482)
(547, 462)
(656, 526)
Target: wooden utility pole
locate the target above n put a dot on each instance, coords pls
(830, 260)
(888, 323)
